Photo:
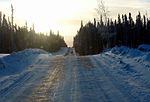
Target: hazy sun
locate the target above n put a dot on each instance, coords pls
(45, 14)
(56, 15)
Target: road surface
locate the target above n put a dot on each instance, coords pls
(71, 78)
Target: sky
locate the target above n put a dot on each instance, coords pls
(65, 15)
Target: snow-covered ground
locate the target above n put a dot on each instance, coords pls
(128, 70)
(62, 51)
(117, 75)
(144, 47)
(17, 62)
(3, 55)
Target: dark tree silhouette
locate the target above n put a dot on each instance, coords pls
(15, 38)
(92, 38)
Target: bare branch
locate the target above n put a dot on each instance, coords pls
(102, 10)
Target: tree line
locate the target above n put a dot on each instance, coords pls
(93, 38)
(15, 38)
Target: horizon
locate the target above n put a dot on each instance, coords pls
(65, 16)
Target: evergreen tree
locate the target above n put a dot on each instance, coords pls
(24, 38)
(92, 38)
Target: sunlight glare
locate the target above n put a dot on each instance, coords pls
(45, 14)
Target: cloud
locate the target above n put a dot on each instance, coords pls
(147, 1)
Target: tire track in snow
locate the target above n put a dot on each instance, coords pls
(69, 92)
(106, 82)
(80, 84)
(134, 78)
(18, 83)
(133, 69)
(89, 83)
(46, 90)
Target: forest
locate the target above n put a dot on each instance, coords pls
(16, 38)
(93, 38)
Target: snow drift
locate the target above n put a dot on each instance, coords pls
(141, 56)
(17, 61)
(144, 47)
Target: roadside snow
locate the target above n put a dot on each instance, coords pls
(3, 55)
(17, 61)
(125, 51)
(144, 47)
(120, 74)
(128, 71)
(137, 55)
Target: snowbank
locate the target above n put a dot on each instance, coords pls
(17, 61)
(147, 57)
(129, 52)
(3, 55)
(144, 47)
(136, 54)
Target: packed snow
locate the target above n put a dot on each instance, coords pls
(119, 74)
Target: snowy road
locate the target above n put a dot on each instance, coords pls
(101, 78)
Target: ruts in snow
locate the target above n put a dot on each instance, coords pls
(107, 77)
